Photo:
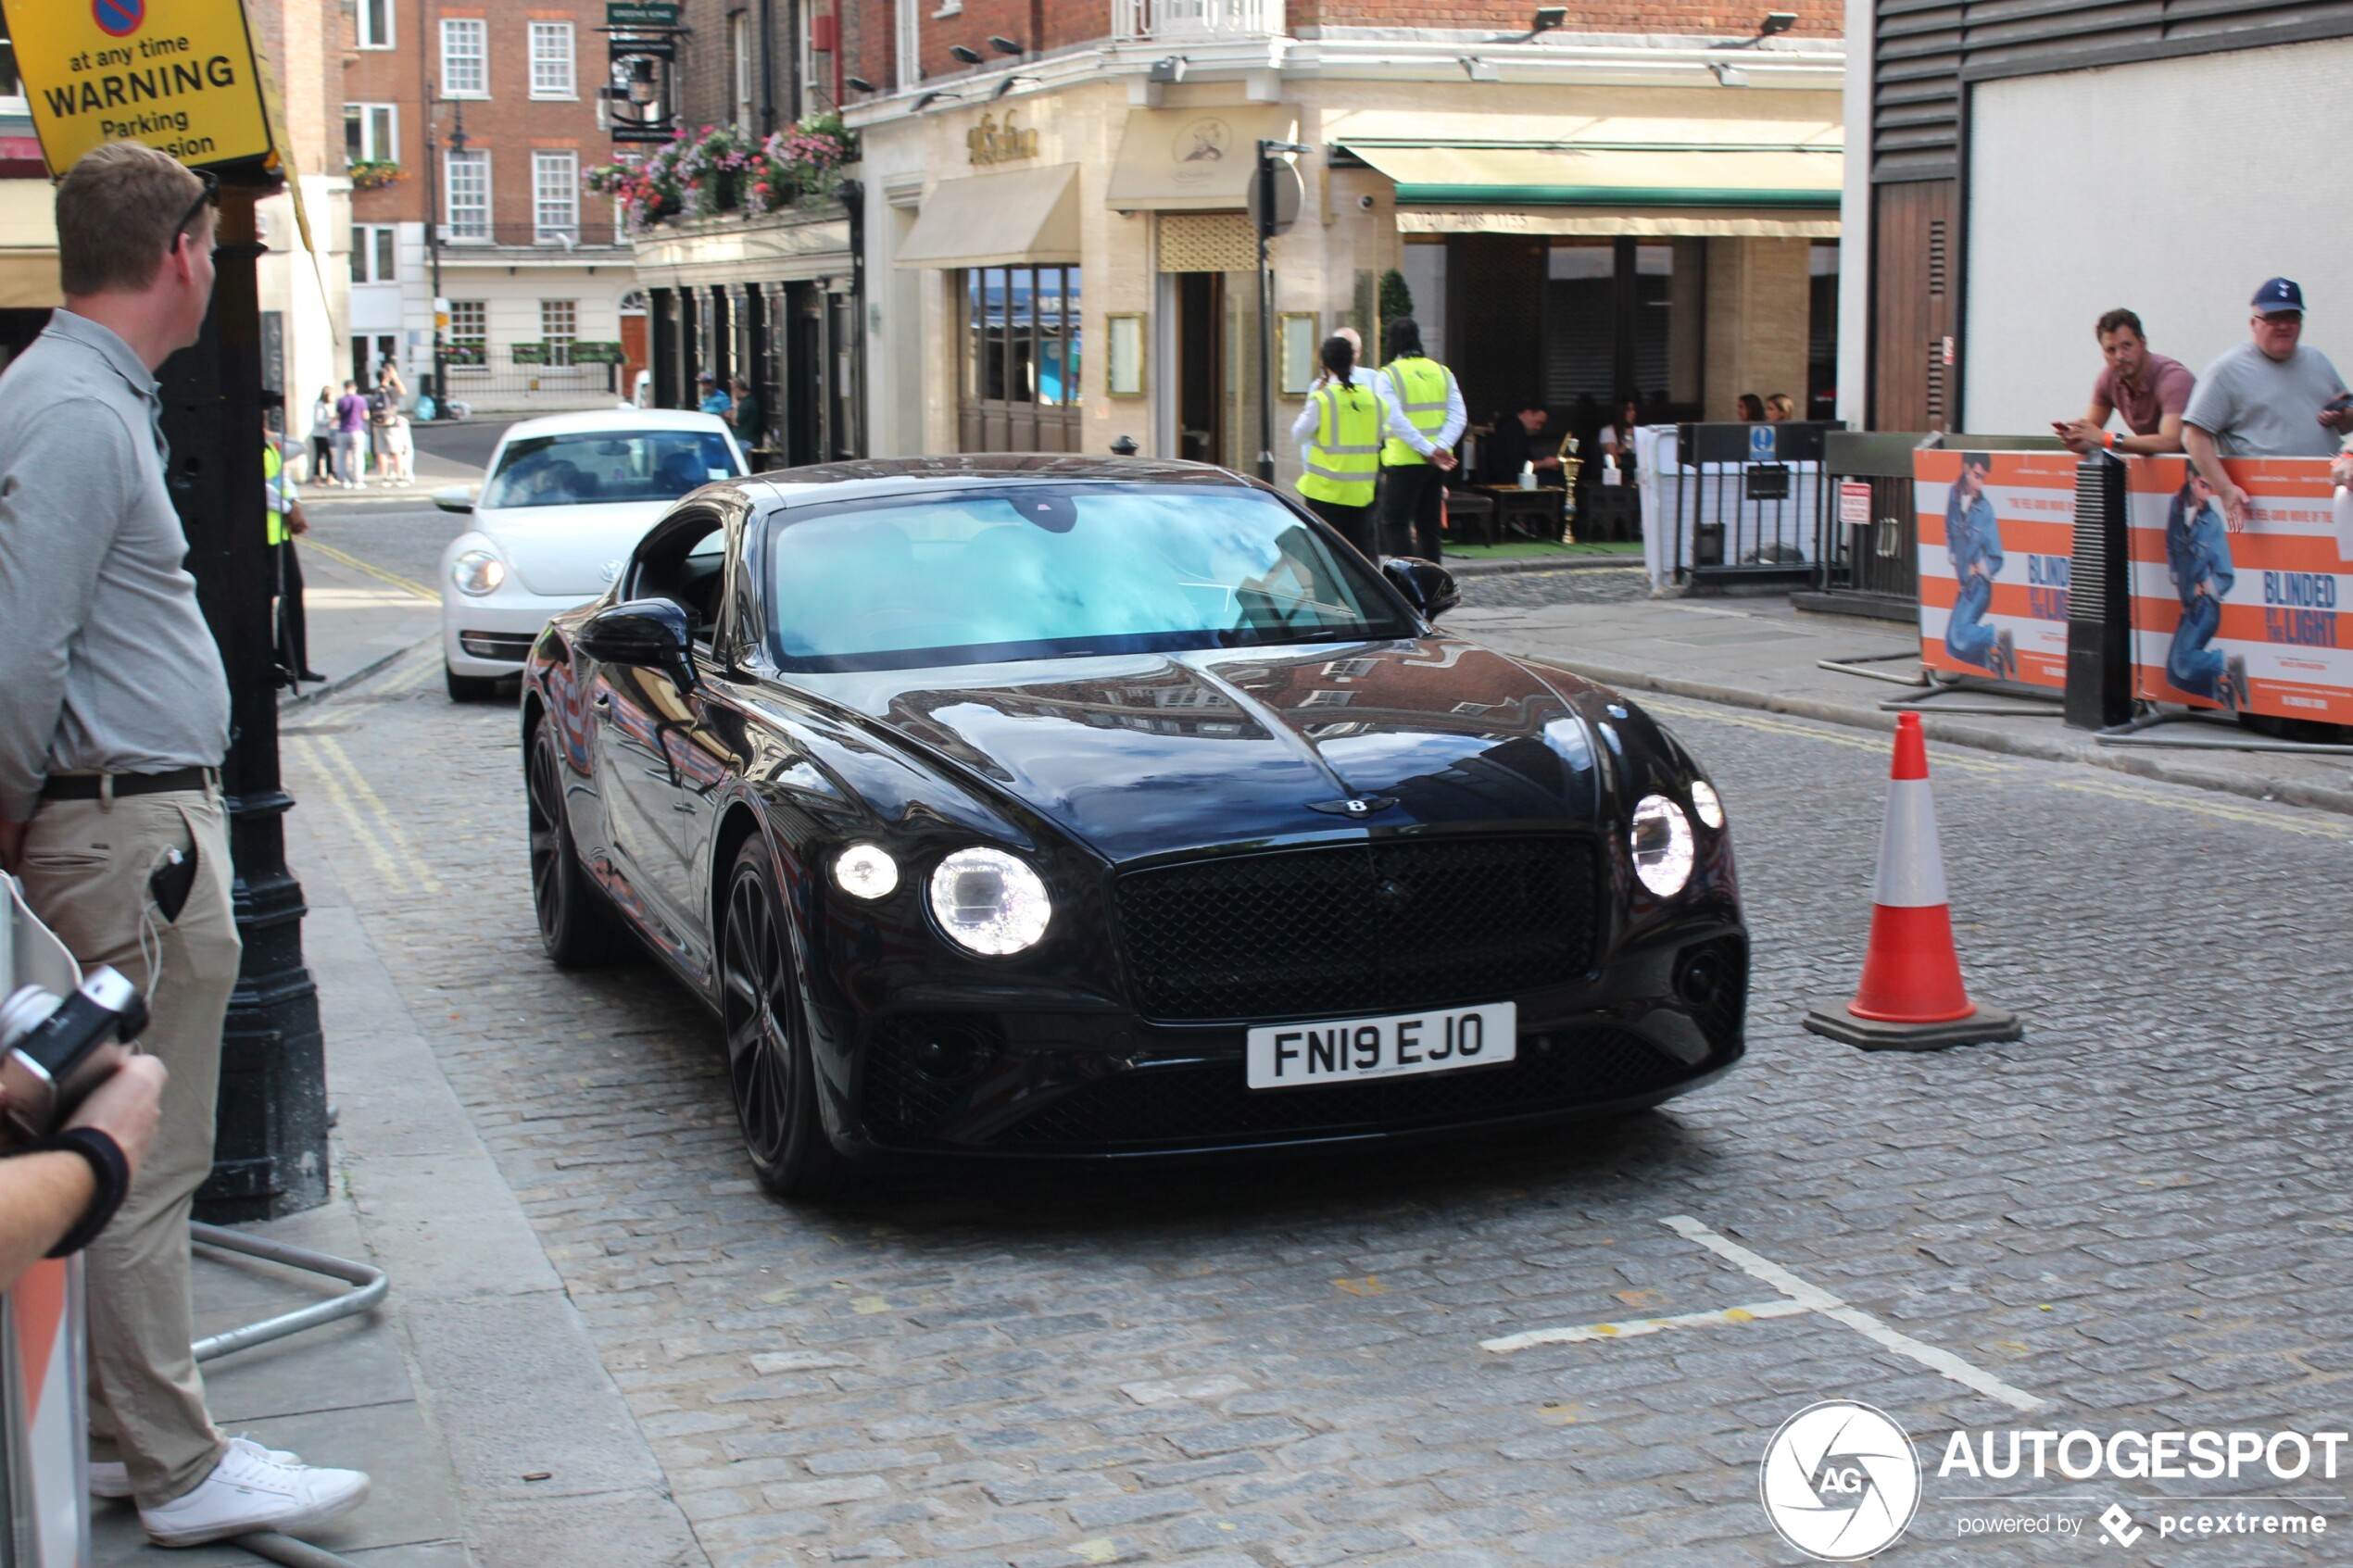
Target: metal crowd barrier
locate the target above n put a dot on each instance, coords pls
(1739, 501)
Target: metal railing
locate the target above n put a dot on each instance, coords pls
(1165, 20)
(1867, 526)
(592, 234)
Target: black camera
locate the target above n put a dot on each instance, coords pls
(53, 1051)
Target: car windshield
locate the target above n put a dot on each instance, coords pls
(586, 468)
(1052, 571)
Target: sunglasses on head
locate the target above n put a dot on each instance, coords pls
(212, 198)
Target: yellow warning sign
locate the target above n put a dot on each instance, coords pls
(176, 74)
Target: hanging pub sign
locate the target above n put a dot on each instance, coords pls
(178, 75)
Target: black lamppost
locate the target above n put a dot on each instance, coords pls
(270, 1155)
(458, 139)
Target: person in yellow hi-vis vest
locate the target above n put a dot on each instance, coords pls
(1342, 429)
(286, 521)
(1424, 391)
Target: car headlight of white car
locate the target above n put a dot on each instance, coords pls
(477, 572)
(989, 902)
(1661, 839)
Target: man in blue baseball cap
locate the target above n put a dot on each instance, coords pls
(2268, 397)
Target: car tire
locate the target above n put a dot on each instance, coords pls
(469, 688)
(577, 924)
(771, 1070)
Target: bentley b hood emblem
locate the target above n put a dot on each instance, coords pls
(1354, 806)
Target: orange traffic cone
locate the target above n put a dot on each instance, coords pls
(1911, 998)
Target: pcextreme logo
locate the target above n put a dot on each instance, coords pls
(1840, 1481)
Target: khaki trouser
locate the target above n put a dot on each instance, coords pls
(85, 868)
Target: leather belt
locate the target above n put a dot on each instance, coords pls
(85, 787)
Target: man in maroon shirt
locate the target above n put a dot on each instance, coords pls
(2149, 390)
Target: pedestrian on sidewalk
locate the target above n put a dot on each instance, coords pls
(746, 417)
(2149, 390)
(111, 738)
(2268, 397)
(286, 522)
(351, 424)
(1779, 408)
(387, 432)
(715, 396)
(1413, 496)
(322, 437)
(1751, 408)
(1342, 426)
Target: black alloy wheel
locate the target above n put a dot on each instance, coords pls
(576, 925)
(769, 1066)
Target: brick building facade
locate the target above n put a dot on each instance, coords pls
(534, 270)
(1640, 200)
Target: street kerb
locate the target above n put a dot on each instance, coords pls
(1911, 998)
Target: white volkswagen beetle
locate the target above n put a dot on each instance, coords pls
(564, 500)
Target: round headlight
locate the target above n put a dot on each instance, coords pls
(988, 902)
(1706, 804)
(477, 572)
(1662, 845)
(863, 871)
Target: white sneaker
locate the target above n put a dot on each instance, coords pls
(111, 1478)
(253, 1488)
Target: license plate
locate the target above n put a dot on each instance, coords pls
(1288, 1056)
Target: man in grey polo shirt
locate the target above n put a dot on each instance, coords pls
(113, 725)
(2268, 397)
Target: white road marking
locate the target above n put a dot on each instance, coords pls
(1813, 1297)
(1783, 1308)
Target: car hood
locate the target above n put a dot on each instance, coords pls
(565, 550)
(1138, 754)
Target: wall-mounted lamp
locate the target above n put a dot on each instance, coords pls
(1169, 69)
(1776, 21)
(859, 85)
(1009, 83)
(1003, 45)
(1547, 18)
(937, 94)
(965, 53)
(1478, 69)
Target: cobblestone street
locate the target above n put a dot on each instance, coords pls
(2136, 1217)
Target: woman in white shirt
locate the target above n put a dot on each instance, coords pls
(322, 437)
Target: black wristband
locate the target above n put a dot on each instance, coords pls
(113, 1174)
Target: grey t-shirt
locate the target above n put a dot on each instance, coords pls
(2255, 405)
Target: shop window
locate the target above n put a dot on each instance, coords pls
(1821, 338)
(465, 58)
(551, 56)
(1019, 343)
(470, 334)
(559, 327)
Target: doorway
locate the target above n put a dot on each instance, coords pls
(1201, 367)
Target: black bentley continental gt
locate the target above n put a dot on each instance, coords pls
(1058, 806)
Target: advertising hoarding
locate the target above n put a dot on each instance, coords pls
(1997, 540)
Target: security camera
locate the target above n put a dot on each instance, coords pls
(1365, 203)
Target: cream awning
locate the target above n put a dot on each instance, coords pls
(1029, 215)
(1193, 160)
(1607, 223)
(1668, 184)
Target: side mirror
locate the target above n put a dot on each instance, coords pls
(653, 633)
(456, 498)
(1426, 586)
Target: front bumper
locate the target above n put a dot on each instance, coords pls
(492, 635)
(1664, 1018)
